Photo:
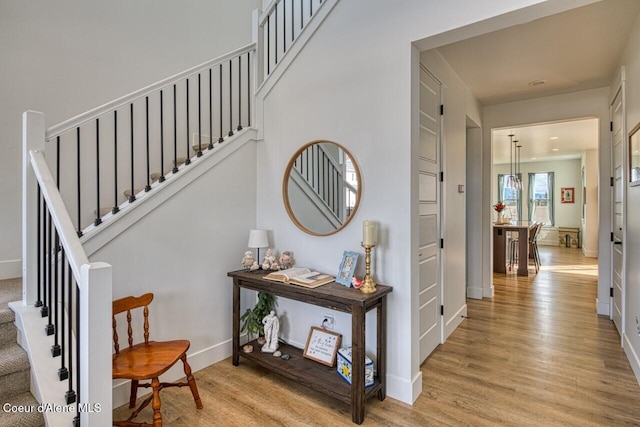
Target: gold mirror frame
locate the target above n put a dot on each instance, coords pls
(285, 188)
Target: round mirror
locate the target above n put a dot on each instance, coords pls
(321, 188)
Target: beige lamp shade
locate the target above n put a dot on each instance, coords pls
(258, 239)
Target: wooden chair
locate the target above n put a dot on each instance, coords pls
(147, 361)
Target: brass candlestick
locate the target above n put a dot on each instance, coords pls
(368, 284)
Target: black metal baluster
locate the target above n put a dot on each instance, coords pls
(132, 196)
(115, 209)
(210, 109)
(63, 374)
(38, 302)
(58, 162)
(188, 159)
(79, 231)
(310, 8)
(221, 139)
(76, 420)
(292, 20)
(42, 261)
(98, 220)
(230, 98)
(249, 88)
(175, 132)
(55, 348)
(284, 26)
(147, 188)
(268, 44)
(162, 178)
(275, 35)
(239, 93)
(301, 14)
(48, 329)
(199, 118)
(70, 395)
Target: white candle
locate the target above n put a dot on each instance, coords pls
(368, 233)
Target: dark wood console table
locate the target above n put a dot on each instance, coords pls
(307, 372)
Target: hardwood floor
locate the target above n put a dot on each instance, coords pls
(535, 355)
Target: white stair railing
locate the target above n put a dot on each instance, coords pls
(74, 295)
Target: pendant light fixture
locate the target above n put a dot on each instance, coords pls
(512, 180)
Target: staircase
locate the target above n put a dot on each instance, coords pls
(15, 376)
(88, 180)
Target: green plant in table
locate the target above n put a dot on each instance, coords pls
(252, 318)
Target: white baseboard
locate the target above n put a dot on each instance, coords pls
(590, 254)
(197, 361)
(603, 308)
(488, 292)
(632, 356)
(474, 293)
(455, 321)
(10, 269)
(403, 390)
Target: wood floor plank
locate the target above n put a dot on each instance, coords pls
(535, 354)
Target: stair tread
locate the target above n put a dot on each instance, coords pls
(22, 419)
(6, 314)
(13, 359)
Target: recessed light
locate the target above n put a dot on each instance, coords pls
(554, 137)
(537, 82)
(534, 158)
(555, 149)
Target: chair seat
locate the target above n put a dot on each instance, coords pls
(146, 361)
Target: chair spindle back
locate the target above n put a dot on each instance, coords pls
(127, 304)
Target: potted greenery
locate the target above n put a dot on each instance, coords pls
(252, 318)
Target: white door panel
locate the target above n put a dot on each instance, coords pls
(617, 217)
(430, 330)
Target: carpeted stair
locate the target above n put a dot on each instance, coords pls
(14, 365)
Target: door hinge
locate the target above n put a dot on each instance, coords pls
(442, 109)
(442, 243)
(441, 176)
(612, 236)
(442, 310)
(611, 292)
(610, 126)
(611, 181)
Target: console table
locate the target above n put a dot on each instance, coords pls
(307, 372)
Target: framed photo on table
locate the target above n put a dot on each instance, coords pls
(322, 346)
(568, 195)
(347, 268)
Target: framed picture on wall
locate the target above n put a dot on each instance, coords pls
(568, 195)
(634, 156)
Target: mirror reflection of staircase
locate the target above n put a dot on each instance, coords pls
(15, 377)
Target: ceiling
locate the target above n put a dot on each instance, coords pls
(570, 140)
(571, 51)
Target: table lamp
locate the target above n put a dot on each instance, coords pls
(258, 239)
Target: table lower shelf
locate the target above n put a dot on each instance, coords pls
(307, 372)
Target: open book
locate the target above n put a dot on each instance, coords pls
(300, 276)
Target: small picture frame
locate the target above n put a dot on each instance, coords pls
(568, 195)
(347, 268)
(322, 346)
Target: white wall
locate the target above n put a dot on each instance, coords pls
(182, 251)
(65, 57)
(566, 174)
(590, 222)
(590, 103)
(353, 84)
(631, 340)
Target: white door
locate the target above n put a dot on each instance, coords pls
(429, 215)
(617, 217)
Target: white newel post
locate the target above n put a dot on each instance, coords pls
(33, 134)
(95, 345)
